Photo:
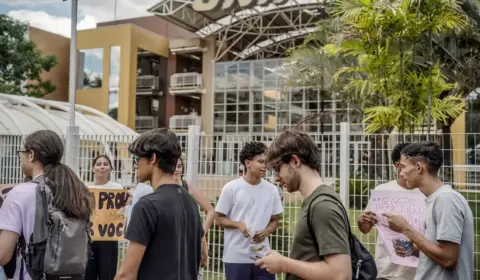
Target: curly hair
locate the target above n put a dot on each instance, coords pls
(396, 153)
(252, 149)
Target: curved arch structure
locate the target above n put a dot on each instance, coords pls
(277, 40)
(241, 30)
(20, 115)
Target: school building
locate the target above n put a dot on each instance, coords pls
(221, 66)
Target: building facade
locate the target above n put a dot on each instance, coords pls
(53, 44)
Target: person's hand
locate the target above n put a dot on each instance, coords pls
(243, 228)
(129, 201)
(273, 262)
(396, 222)
(368, 217)
(402, 252)
(260, 236)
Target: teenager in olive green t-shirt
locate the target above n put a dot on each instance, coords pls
(293, 156)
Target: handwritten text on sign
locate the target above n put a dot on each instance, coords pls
(107, 224)
(410, 205)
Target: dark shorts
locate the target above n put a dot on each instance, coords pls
(246, 271)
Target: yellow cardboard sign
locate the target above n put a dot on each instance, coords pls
(107, 222)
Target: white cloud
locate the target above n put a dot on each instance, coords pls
(105, 10)
(90, 12)
(101, 10)
(54, 24)
(25, 2)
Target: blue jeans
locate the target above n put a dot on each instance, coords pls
(2, 274)
(246, 271)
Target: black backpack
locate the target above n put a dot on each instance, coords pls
(58, 247)
(363, 264)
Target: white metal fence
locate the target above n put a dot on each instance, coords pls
(352, 162)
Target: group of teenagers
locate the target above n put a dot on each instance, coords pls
(167, 237)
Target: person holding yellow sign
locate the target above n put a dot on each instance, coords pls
(103, 264)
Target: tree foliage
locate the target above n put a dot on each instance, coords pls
(21, 63)
(392, 59)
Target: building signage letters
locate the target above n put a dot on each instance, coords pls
(216, 5)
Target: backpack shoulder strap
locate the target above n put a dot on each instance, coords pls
(185, 185)
(309, 219)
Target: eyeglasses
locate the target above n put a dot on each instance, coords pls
(276, 167)
(136, 158)
(20, 152)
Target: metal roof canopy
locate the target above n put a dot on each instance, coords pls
(21, 115)
(260, 32)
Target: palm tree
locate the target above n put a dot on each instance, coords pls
(377, 59)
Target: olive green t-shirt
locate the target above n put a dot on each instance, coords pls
(328, 223)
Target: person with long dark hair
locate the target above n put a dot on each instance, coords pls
(103, 264)
(41, 156)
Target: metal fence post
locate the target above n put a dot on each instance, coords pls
(72, 147)
(344, 163)
(193, 150)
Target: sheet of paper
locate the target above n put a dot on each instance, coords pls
(411, 205)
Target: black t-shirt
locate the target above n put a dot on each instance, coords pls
(168, 223)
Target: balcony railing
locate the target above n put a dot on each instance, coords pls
(143, 123)
(181, 122)
(186, 80)
(148, 82)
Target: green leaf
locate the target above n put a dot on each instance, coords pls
(20, 61)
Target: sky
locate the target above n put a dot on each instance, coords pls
(54, 15)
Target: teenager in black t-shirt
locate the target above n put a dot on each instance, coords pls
(165, 228)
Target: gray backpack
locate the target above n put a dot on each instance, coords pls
(59, 247)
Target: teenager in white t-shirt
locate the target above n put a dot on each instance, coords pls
(248, 210)
(103, 264)
(366, 221)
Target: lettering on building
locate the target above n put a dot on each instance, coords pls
(216, 5)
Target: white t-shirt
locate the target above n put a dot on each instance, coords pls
(140, 191)
(252, 205)
(387, 269)
(108, 185)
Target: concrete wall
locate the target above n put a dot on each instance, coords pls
(459, 141)
(156, 25)
(168, 30)
(129, 38)
(53, 44)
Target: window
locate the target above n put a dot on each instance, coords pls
(90, 68)
(114, 82)
(256, 95)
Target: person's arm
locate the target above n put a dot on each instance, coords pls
(204, 260)
(131, 263)
(224, 205)
(205, 204)
(448, 213)
(332, 268)
(141, 228)
(10, 226)
(274, 219)
(8, 239)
